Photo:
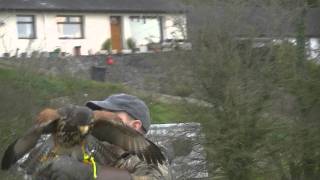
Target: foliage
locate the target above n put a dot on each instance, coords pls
(263, 124)
(131, 44)
(57, 50)
(263, 106)
(182, 90)
(107, 45)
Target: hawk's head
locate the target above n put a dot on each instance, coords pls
(74, 124)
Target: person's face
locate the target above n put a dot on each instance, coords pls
(129, 121)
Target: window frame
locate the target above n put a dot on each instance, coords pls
(81, 23)
(144, 19)
(33, 26)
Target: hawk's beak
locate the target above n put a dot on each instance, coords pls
(84, 129)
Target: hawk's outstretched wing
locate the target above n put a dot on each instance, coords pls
(117, 133)
(45, 124)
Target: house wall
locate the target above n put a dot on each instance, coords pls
(96, 30)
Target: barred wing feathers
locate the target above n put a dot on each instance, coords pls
(45, 123)
(117, 133)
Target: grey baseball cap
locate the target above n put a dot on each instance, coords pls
(132, 105)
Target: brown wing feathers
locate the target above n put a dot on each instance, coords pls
(111, 130)
(9, 157)
(117, 133)
(21, 146)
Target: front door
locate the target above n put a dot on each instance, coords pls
(116, 33)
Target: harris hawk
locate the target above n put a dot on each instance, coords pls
(77, 131)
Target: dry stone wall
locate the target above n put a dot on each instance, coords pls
(140, 71)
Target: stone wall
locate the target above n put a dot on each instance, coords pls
(141, 71)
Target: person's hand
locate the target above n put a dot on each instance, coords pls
(65, 168)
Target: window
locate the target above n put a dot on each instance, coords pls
(176, 26)
(26, 27)
(145, 29)
(70, 27)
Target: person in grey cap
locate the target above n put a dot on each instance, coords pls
(133, 112)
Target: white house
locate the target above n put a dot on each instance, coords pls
(82, 26)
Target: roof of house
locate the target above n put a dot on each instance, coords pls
(312, 22)
(254, 21)
(123, 6)
(284, 22)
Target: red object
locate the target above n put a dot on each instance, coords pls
(109, 60)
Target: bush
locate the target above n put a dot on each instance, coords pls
(182, 90)
(132, 44)
(107, 45)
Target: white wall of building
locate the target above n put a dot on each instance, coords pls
(126, 30)
(96, 30)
